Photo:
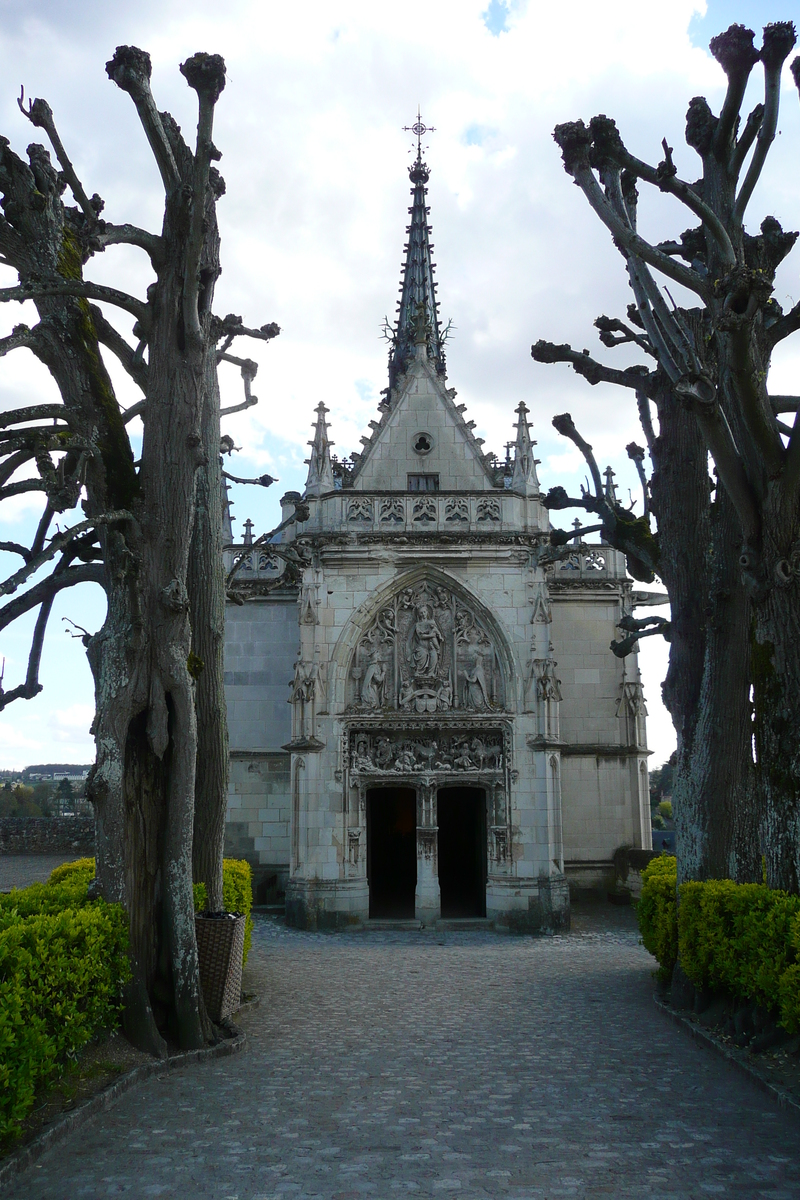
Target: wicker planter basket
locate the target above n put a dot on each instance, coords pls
(220, 943)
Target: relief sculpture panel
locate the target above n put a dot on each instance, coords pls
(426, 652)
(375, 752)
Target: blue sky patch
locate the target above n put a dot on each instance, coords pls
(495, 18)
(755, 14)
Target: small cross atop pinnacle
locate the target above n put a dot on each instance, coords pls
(419, 130)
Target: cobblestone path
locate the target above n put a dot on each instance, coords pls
(384, 1065)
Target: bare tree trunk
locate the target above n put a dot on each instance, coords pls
(707, 686)
(206, 583)
(776, 681)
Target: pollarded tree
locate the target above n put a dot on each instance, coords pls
(151, 531)
(709, 627)
(712, 364)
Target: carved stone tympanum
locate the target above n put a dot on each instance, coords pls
(425, 653)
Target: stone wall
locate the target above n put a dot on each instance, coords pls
(47, 835)
(257, 820)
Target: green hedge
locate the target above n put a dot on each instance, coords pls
(61, 976)
(657, 912)
(63, 964)
(741, 938)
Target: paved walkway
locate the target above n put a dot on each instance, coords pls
(385, 1065)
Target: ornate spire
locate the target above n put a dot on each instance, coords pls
(417, 317)
(320, 471)
(524, 479)
(611, 487)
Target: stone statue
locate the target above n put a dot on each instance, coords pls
(476, 693)
(373, 683)
(425, 643)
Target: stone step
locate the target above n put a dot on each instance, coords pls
(382, 925)
(464, 924)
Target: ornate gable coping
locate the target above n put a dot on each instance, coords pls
(365, 622)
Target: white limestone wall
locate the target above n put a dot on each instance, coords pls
(261, 642)
(583, 627)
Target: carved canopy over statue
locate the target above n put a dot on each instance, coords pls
(426, 652)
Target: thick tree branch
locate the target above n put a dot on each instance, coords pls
(637, 378)
(130, 70)
(262, 480)
(746, 139)
(205, 74)
(40, 114)
(645, 418)
(15, 548)
(21, 486)
(69, 577)
(249, 370)
(135, 410)
(36, 412)
(20, 336)
(230, 327)
(757, 417)
(41, 531)
(778, 41)
(13, 463)
(609, 326)
(665, 178)
(626, 645)
(783, 327)
(130, 235)
(631, 242)
(56, 545)
(566, 427)
(83, 288)
(131, 359)
(736, 54)
(700, 396)
(636, 454)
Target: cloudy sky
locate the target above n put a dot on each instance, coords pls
(315, 160)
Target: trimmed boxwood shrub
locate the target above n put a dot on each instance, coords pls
(657, 912)
(63, 964)
(61, 977)
(743, 939)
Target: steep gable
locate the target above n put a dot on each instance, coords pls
(423, 411)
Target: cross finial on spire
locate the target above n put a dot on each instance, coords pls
(419, 130)
(320, 470)
(525, 479)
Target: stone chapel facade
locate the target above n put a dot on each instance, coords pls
(426, 720)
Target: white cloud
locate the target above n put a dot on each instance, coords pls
(310, 125)
(71, 724)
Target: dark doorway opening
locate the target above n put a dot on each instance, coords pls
(392, 852)
(462, 851)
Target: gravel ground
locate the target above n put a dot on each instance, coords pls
(21, 870)
(391, 1064)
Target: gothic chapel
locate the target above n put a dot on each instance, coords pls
(425, 723)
